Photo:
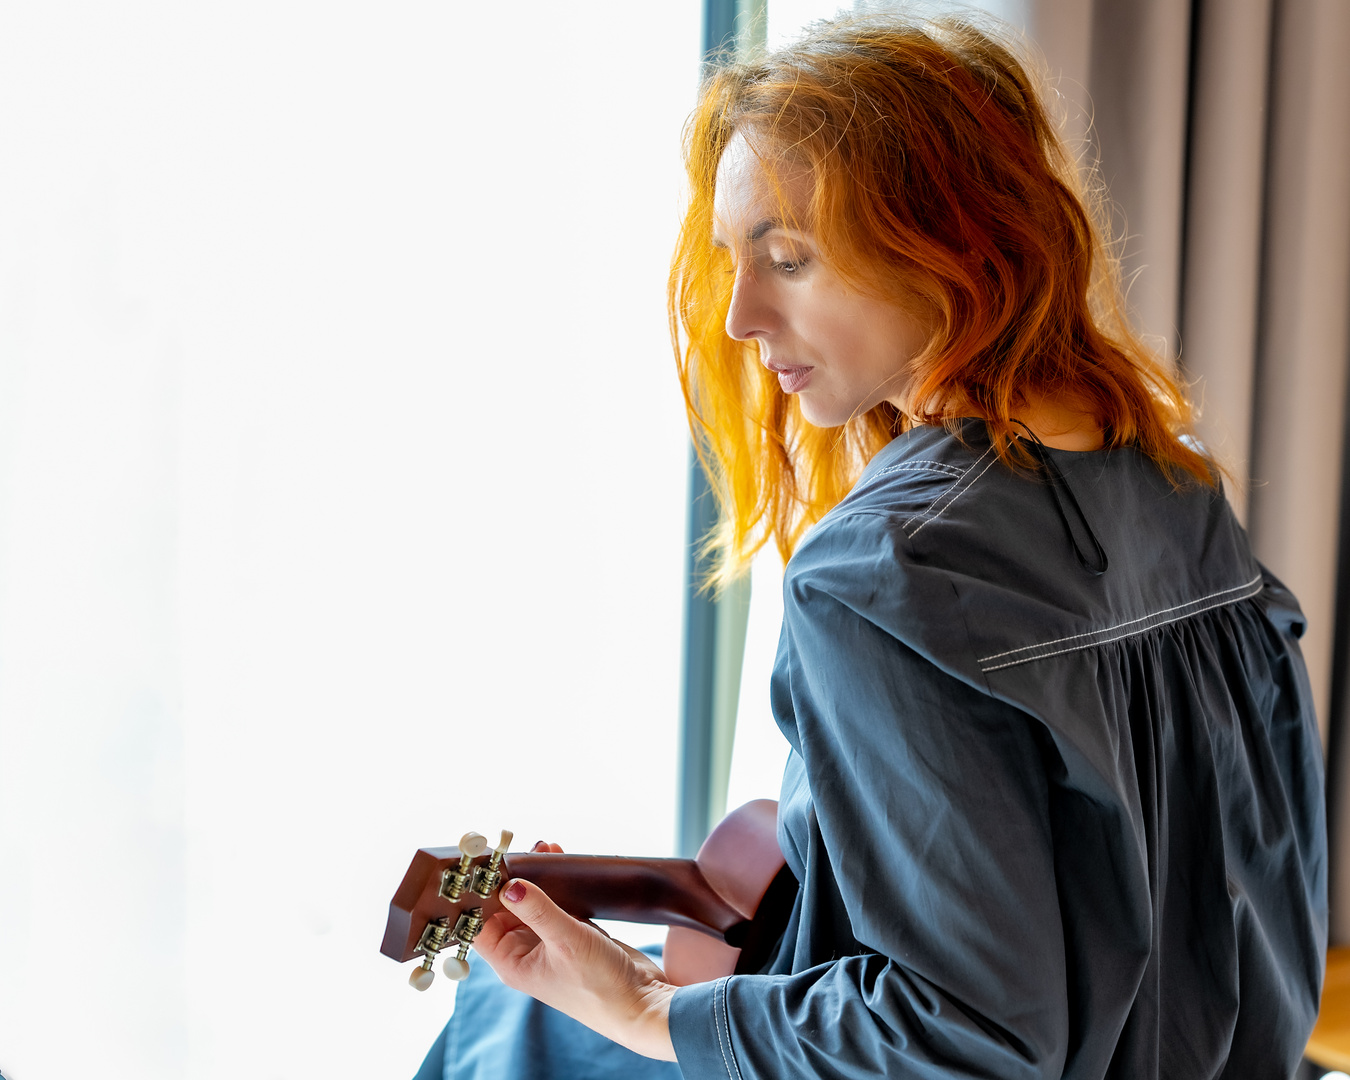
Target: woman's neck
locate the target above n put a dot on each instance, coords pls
(1061, 425)
(1056, 422)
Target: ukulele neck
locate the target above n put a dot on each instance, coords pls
(673, 892)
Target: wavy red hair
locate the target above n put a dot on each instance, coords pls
(939, 181)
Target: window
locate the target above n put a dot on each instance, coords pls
(341, 475)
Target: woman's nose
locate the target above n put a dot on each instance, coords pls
(751, 314)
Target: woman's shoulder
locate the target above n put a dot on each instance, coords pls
(917, 468)
(860, 559)
(922, 476)
(906, 483)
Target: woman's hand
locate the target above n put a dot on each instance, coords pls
(536, 947)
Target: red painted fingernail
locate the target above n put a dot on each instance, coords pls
(515, 891)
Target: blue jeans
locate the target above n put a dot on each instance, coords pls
(496, 1033)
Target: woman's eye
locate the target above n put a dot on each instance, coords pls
(789, 266)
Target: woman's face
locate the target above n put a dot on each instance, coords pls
(840, 351)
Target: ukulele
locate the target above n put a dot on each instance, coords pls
(726, 908)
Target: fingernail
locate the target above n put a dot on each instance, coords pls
(539, 845)
(514, 892)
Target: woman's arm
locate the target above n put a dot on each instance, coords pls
(932, 940)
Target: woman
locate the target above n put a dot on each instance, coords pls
(1055, 791)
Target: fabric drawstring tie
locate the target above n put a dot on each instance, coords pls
(1059, 488)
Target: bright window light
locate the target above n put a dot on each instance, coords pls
(342, 471)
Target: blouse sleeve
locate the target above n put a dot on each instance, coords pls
(932, 826)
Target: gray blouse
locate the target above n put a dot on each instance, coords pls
(1047, 821)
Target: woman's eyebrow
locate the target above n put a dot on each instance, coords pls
(759, 232)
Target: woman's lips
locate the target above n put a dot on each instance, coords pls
(790, 379)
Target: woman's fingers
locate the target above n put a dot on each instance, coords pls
(519, 941)
(495, 929)
(537, 947)
(531, 905)
(542, 845)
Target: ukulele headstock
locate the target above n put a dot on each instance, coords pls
(444, 899)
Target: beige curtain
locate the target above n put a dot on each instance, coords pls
(1223, 129)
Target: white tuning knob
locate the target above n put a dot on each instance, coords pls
(421, 977)
(472, 844)
(507, 837)
(455, 968)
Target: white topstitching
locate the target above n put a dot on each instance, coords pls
(953, 493)
(1154, 619)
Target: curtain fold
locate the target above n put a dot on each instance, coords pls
(1221, 278)
(1137, 76)
(1298, 420)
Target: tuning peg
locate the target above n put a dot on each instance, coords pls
(455, 968)
(487, 878)
(472, 844)
(422, 975)
(455, 879)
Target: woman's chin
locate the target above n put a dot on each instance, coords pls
(825, 414)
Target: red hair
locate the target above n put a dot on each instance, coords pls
(939, 181)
